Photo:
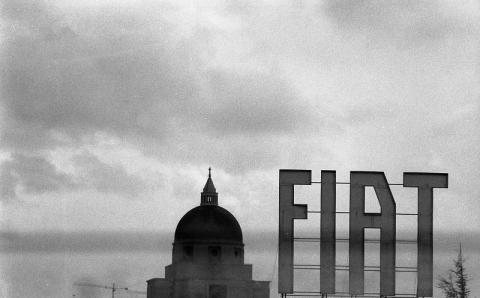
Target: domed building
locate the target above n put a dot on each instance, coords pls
(207, 256)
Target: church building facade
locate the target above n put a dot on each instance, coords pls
(208, 256)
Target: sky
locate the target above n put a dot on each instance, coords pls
(111, 113)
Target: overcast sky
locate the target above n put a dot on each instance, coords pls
(111, 113)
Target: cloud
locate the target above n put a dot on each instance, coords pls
(74, 86)
(406, 22)
(106, 178)
(33, 175)
(252, 103)
(147, 79)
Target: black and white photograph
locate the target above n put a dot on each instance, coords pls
(239, 149)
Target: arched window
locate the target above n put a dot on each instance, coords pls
(238, 252)
(188, 252)
(215, 254)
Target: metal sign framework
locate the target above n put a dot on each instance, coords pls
(359, 220)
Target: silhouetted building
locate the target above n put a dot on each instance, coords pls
(207, 257)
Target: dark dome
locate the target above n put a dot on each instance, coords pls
(209, 223)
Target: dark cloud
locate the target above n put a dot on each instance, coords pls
(36, 175)
(129, 74)
(80, 82)
(115, 89)
(407, 22)
(33, 174)
(35, 15)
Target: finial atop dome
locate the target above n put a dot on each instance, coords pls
(209, 195)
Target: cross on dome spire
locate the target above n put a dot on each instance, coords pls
(209, 195)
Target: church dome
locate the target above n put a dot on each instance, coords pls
(209, 223)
